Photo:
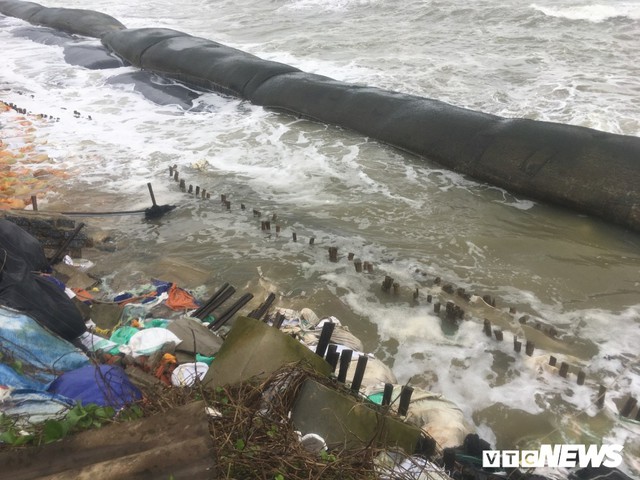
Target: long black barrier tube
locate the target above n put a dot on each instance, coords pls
(586, 170)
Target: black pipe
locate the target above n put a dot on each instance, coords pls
(345, 361)
(386, 396)
(262, 309)
(325, 336)
(211, 299)
(277, 323)
(233, 309)
(360, 369)
(332, 356)
(405, 399)
(217, 302)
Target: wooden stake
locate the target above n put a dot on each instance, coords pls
(581, 377)
(529, 348)
(564, 369)
(357, 263)
(487, 327)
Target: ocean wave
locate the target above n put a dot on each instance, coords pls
(595, 13)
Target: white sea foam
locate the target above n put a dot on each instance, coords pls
(596, 12)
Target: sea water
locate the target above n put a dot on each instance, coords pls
(571, 62)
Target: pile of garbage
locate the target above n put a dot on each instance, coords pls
(278, 394)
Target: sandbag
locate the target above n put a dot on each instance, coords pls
(435, 415)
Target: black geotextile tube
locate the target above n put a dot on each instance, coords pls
(587, 170)
(194, 60)
(71, 20)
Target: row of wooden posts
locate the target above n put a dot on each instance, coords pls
(453, 312)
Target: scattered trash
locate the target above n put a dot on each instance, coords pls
(312, 442)
(186, 374)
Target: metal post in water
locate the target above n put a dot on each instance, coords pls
(581, 377)
(34, 202)
(498, 334)
(294, 237)
(552, 361)
(357, 263)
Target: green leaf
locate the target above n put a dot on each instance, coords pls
(9, 437)
(22, 439)
(240, 444)
(53, 430)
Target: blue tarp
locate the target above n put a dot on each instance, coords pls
(10, 378)
(33, 406)
(104, 385)
(40, 355)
